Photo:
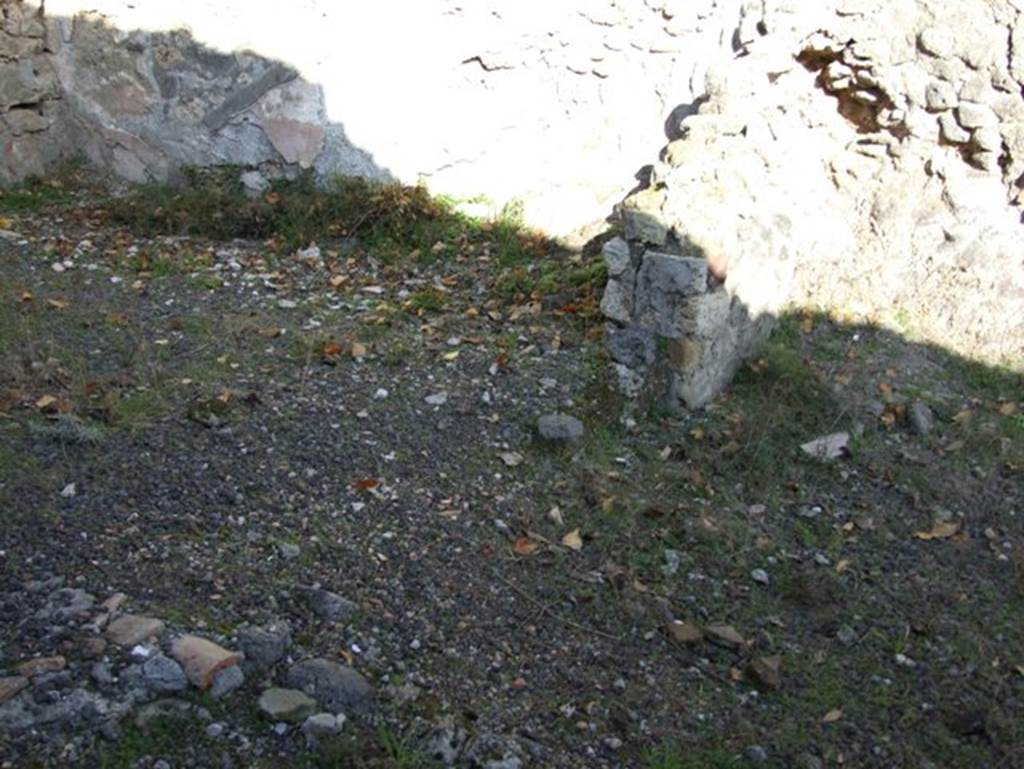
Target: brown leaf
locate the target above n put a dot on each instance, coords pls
(524, 546)
(366, 484)
(832, 716)
(359, 350)
(941, 530)
(1008, 409)
(269, 332)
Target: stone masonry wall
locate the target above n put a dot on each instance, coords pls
(853, 155)
(862, 157)
(554, 106)
(29, 94)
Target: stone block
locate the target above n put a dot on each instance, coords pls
(202, 659)
(15, 47)
(131, 629)
(617, 302)
(617, 257)
(644, 220)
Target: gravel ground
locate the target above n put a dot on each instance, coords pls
(212, 430)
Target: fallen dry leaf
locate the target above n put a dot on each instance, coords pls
(524, 546)
(832, 716)
(331, 352)
(941, 530)
(46, 403)
(963, 417)
(366, 484)
(359, 350)
(1008, 409)
(572, 540)
(828, 447)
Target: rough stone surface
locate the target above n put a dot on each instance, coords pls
(202, 659)
(560, 428)
(264, 646)
(10, 686)
(906, 137)
(920, 417)
(288, 705)
(335, 687)
(321, 725)
(327, 605)
(226, 681)
(132, 629)
(164, 675)
(66, 603)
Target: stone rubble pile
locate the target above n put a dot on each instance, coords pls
(114, 667)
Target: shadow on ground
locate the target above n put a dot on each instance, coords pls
(210, 435)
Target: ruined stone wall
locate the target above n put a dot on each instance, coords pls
(30, 137)
(554, 106)
(861, 157)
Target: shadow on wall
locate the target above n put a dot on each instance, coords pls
(175, 102)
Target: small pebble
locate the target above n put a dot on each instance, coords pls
(757, 754)
(760, 576)
(437, 399)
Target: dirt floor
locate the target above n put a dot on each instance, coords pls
(210, 427)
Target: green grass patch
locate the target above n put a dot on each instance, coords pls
(393, 221)
(34, 196)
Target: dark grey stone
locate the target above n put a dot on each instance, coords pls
(920, 417)
(633, 347)
(328, 605)
(247, 95)
(226, 681)
(162, 674)
(264, 645)
(560, 428)
(337, 688)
